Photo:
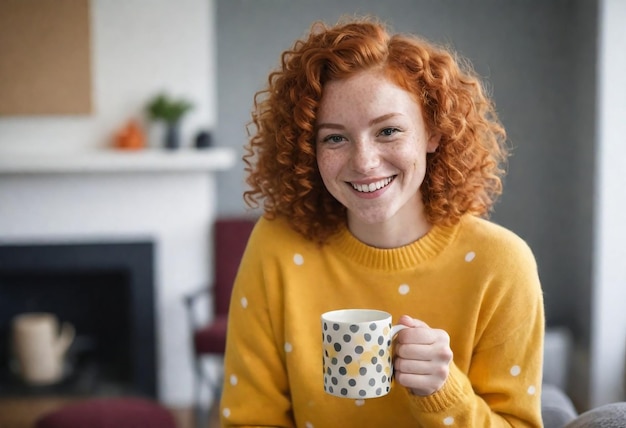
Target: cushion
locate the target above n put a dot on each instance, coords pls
(611, 415)
(109, 413)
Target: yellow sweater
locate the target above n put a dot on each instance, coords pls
(476, 280)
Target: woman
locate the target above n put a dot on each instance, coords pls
(377, 159)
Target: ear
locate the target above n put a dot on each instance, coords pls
(433, 143)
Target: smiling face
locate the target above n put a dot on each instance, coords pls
(371, 152)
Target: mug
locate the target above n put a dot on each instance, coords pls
(40, 344)
(357, 359)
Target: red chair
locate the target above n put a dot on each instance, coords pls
(230, 236)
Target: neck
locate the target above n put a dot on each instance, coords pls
(392, 233)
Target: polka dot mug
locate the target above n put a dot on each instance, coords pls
(357, 358)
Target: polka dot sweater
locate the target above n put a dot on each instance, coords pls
(476, 280)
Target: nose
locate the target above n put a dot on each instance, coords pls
(365, 156)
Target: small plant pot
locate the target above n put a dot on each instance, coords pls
(172, 136)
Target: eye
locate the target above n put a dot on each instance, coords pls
(334, 138)
(388, 132)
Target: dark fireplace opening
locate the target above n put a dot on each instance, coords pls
(106, 291)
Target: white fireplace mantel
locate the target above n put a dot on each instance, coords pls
(107, 160)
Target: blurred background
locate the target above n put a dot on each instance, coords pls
(556, 72)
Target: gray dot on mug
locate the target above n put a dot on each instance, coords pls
(337, 347)
(334, 380)
(344, 391)
(374, 360)
(325, 327)
(358, 349)
(381, 352)
(342, 370)
(334, 361)
(373, 326)
(381, 340)
(379, 368)
(352, 382)
(329, 339)
(362, 393)
(328, 371)
(379, 391)
(335, 327)
(384, 379)
(363, 371)
(367, 337)
(372, 382)
(347, 359)
(347, 338)
(354, 328)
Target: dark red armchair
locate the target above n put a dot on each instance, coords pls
(230, 236)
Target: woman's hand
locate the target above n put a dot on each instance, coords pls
(422, 357)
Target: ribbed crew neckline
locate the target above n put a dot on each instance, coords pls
(405, 257)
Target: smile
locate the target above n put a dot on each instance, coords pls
(372, 187)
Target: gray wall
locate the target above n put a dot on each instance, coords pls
(539, 59)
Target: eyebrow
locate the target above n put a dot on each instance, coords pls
(370, 123)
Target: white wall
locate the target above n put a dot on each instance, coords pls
(139, 47)
(608, 355)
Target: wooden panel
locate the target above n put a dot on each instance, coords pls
(45, 58)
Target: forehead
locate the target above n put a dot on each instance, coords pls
(368, 93)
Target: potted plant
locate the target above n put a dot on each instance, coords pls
(170, 111)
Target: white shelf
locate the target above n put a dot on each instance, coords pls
(112, 161)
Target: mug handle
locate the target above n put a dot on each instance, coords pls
(66, 337)
(396, 328)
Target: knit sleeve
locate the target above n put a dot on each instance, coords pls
(503, 385)
(256, 391)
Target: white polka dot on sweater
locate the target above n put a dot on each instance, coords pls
(308, 425)
(448, 421)
(244, 302)
(298, 259)
(531, 390)
(288, 347)
(403, 289)
(515, 370)
(233, 380)
(470, 256)
(359, 403)
(226, 412)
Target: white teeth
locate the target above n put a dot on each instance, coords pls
(367, 188)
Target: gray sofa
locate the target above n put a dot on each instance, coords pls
(557, 409)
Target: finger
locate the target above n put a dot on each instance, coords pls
(411, 322)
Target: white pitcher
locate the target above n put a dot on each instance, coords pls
(40, 345)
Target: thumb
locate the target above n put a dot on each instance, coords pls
(411, 322)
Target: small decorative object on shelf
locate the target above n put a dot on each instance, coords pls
(163, 108)
(131, 137)
(203, 140)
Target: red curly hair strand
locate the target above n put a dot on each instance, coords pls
(462, 176)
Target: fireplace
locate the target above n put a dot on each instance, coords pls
(106, 291)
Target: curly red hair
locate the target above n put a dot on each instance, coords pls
(462, 176)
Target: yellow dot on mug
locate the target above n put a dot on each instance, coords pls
(470, 256)
(532, 390)
(298, 259)
(515, 370)
(233, 380)
(244, 302)
(226, 412)
(403, 289)
(448, 421)
(359, 403)
(288, 347)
